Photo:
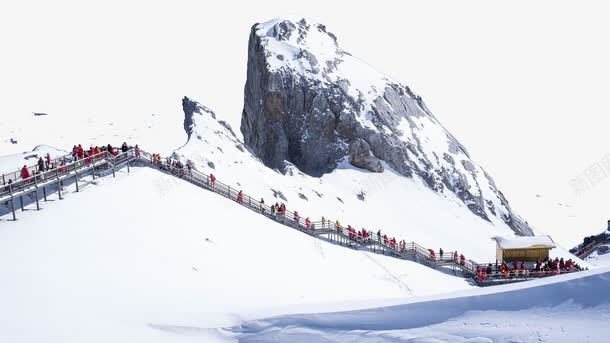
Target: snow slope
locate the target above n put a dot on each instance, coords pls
(600, 257)
(132, 257)
(569, 308)
(397, 205)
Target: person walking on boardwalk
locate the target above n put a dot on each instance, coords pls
(7, 188)
(25, 173)
(48, 161)
(41, 165)
(111, 150)
(74, 153)
(212, 180)
(80, 152)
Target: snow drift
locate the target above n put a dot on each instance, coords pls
(563, 309)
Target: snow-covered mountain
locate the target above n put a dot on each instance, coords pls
(387, 201)
(150, 257)
(311, 104)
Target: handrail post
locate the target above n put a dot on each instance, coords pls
(21, 201)
(127, 155)
(44, 193)
(36, 191)
(10, 189)
(76, 177)
(59, 185)
(113, 165)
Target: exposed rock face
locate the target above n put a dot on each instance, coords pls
(312, 104)
(361, 157)
(191, 108)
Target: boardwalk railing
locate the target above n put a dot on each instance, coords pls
(326, 230)
(52, 180)
(587, 250)
(15, 176)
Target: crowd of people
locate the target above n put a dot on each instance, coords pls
(44, 164)
(523, 269)
(95, 152)
(541, 268)
(174, 166)
(453, 257)
(278, 211)
(79, 156)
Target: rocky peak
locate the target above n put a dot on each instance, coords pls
(192, 108)
(310, 103)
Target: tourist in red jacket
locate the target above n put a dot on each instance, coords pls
(80, 152)
(25, 173)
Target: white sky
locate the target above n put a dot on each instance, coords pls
(523, 86)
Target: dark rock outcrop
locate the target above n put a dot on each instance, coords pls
(361, 157)
(190, 108)
(309, 103)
